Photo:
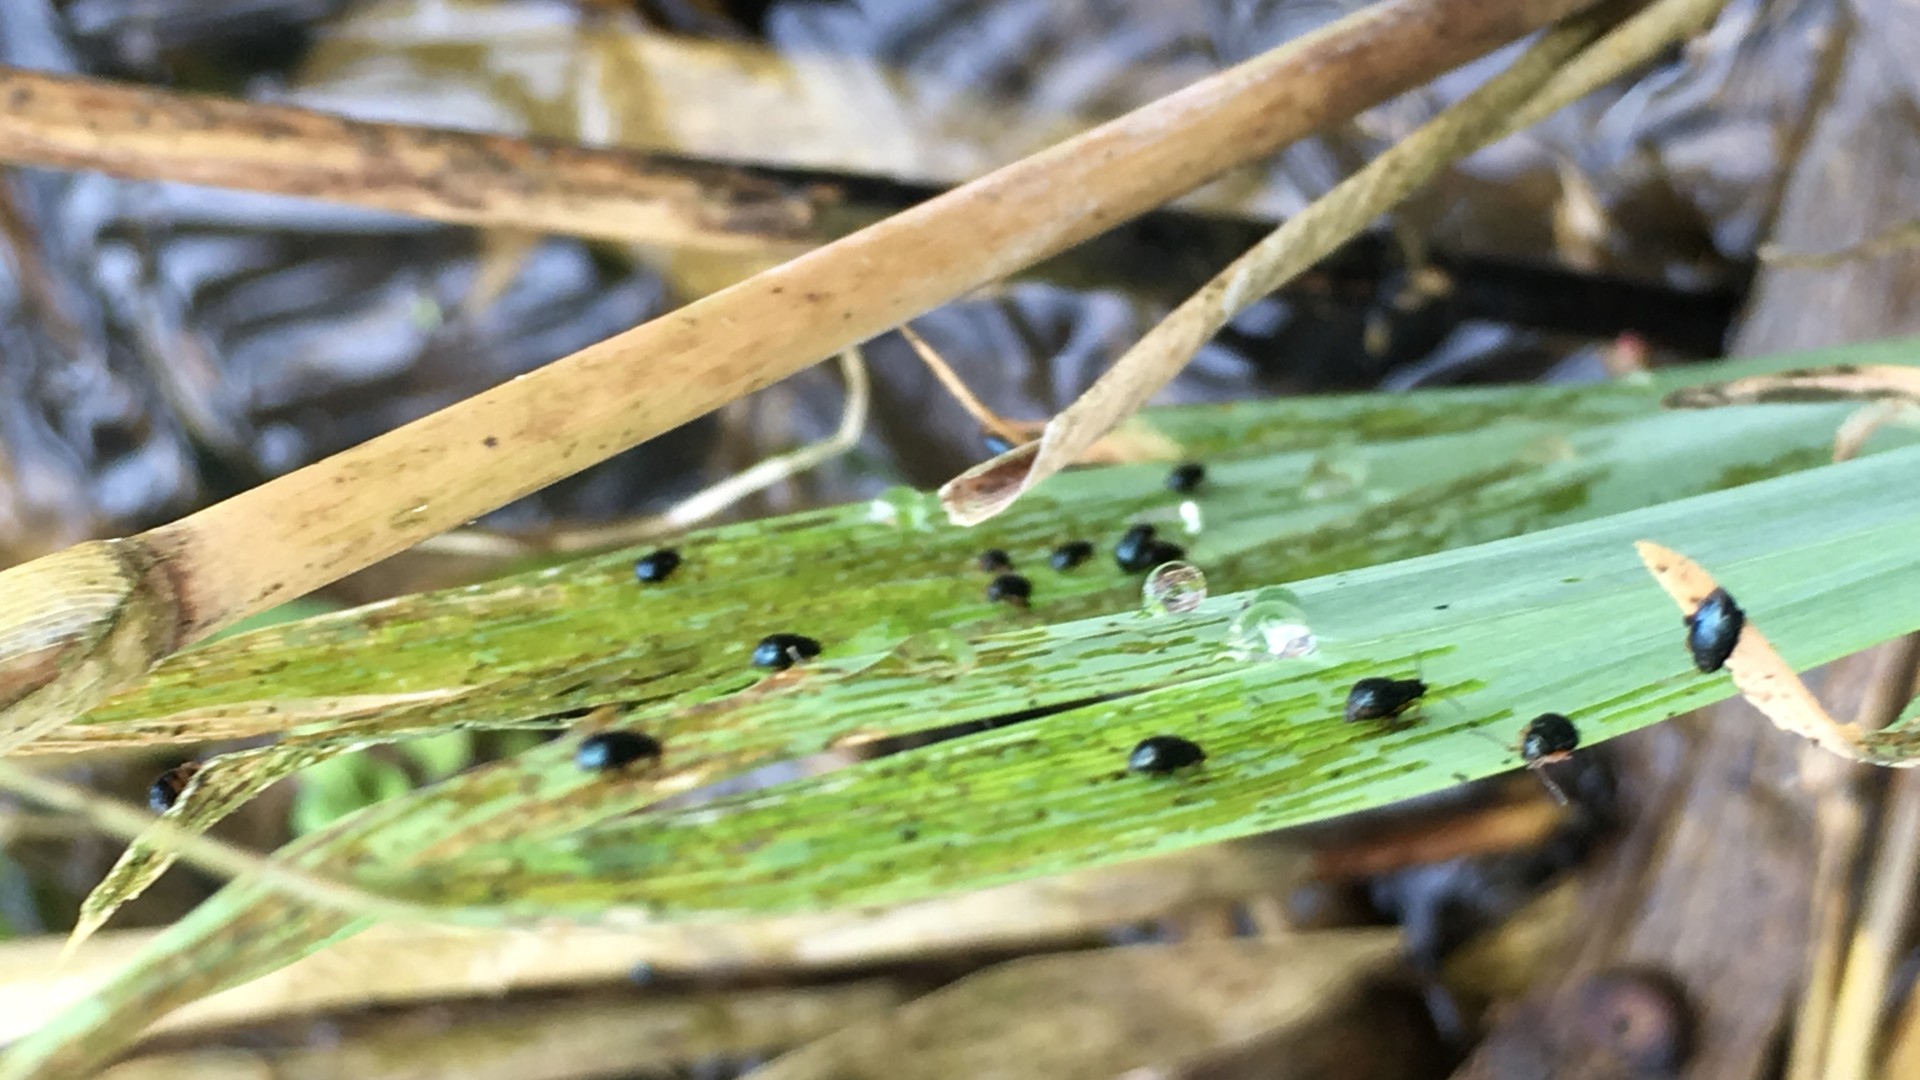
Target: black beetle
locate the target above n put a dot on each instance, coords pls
(1382, 699)
(782, 651)
(1070, 554)
(1548, 739)
(656, 566)
(1714, 629)
(994, 560)
(1187, 477)
(167, 787)
(1131, 551)
(1010, 587)
(1162, 754)
(606, 751)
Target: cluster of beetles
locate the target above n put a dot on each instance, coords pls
(1713, 629)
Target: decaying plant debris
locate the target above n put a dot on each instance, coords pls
(942, 791)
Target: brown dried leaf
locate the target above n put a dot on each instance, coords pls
(1863, 382)
(1100, 1013)
(1764, 678)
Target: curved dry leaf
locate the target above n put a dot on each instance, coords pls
(989, 488)
(1841, 382)
(1563, 65)
(1764, 678)
(1858, 428)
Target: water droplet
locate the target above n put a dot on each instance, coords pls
(936, 652)
(1273, 627)
(1337, 473)
(1173, 588)
(903, 508)
(1190, 517)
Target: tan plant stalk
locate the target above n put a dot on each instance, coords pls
(146, 133)
(81, 623)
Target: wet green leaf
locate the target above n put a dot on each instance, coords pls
(1563, 620)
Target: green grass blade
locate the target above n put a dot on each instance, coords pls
(1412, 474)
(551, 644)
(1563, 620)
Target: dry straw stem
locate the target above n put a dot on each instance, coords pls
(1879, 937)
(1847, 1036)
(144, 133)
(80, 624)
(1903, 1042)
(543, 1039)
(1552, 74)
(693, 509)
(1841, 824)
(407, 962)
(1898, 240)
(1840, 815)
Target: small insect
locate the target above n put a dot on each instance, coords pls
(994, 560)
(1382, 699)
(1549, 739)
(1161, 551)
(1131, 551)
(1187, 477)
(167, 787)
(1139, 550)
(606, 751)
(1012, 588)
(656, 566)
(1162, 754)
(1070, 554)
(1714, 629)
(782, 651)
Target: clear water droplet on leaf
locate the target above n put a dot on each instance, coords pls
(903, 508)
(1334, 474)
(1273, 627)
(936, 652)
(1173, 588)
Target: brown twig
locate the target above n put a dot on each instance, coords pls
(145, 133)
(81, 623)
(957, 387)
